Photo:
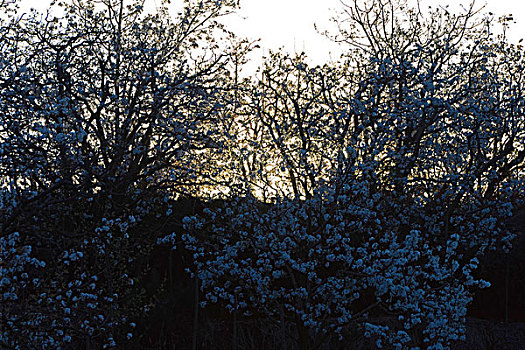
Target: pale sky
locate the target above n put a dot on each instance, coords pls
(290, 23)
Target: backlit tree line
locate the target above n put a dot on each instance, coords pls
(355, 198)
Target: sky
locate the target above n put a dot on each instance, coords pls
(289, 24)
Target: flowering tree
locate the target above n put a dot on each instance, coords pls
(355, 196)
(104, 113)
(386, 177)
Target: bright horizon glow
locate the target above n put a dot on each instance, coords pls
(288, 25)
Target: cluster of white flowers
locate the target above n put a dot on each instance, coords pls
(76, 302)
(333, 262)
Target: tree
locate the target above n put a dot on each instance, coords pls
(107, 112)
(389, 175)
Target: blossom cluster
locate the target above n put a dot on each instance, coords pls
(333, 263)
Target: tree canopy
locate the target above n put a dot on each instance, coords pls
(356, 197)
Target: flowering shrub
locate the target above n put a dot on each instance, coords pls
(87, 295)
(337, 260)
(16, 282)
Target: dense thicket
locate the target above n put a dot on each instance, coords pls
(338, 201)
